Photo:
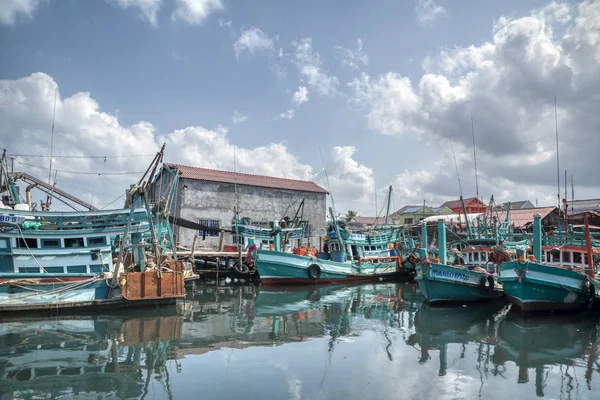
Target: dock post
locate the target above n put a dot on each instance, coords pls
(442, 241)
(537, 237)
(424, 245)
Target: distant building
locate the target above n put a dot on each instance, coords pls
(410, 214)
(367, 222)
(516, 205)
(472, 204)
(579, 206)
(209, 197)
(442, 210)
(522, 220)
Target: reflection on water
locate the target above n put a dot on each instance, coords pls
(369, 341)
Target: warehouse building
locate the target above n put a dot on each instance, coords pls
(209, 197)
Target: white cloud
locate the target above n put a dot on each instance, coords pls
(10, 9)
(507, 85)
(237, 117)
(309, 64)
(289, 114)
(252, 41)
(195, 11)
(352, 183)
(300, 96)
(148, 9)
(279, 71)
(82, 128)
(352, 59)
(428, 11)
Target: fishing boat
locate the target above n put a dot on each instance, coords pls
(444, 281)
(347, 257)
(537, 284)
(84, 259)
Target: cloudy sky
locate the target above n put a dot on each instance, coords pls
(380, 89)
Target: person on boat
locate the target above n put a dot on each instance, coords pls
(392, 250)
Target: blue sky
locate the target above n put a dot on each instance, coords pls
(298, 81)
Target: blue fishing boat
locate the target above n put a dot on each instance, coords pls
(86, 259)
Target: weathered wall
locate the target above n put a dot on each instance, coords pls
(209, 200)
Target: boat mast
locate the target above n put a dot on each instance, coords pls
(475, 159)
(557, 158)
(49, 197)
(387, 213)
(588, 245)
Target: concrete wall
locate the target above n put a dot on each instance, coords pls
(209, 200)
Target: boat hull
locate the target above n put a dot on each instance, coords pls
(291, 269)
(536, 287)
(447, 284)
(134, 289)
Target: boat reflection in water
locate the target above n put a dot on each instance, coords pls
(111, 355)
(437, 327)
(247, 316)
(350, 342)
(568, 343)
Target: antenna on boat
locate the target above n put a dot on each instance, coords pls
(328, 184)
(475, 159)
(456, 166)
(376, 203)
(572, 190)
(557, 158)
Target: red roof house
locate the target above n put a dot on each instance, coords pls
(472, 204)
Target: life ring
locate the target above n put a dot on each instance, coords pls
(314, 272)
(589, 292)
(487, 284)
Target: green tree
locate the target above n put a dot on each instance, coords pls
(350, 215)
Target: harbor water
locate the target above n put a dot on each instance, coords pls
(375, 341)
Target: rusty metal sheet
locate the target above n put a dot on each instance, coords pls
(152, 285)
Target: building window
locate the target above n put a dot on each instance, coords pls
(577, 257)
(408, 220)
(307, 231)
(566, 257)
(73, 242)
(27, 242)
(211, 223)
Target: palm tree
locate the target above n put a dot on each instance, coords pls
(350, 215)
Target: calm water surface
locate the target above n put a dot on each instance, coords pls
(361, 342)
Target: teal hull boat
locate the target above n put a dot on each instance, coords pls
(276, 267)
(538, 287)
(535, 286)
(449, 284)
(441, 283)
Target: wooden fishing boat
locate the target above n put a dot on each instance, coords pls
(348, 257)
(442, 282)
(91, 259)
(533, 284)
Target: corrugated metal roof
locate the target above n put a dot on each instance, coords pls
(584, 205)
(522, 218)
(213, 175)
(377, 221)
